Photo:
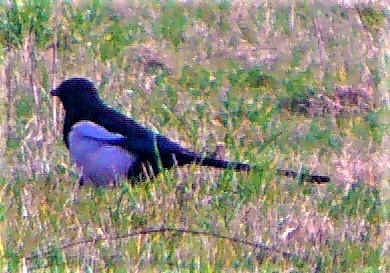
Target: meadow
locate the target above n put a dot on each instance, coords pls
(299, 84)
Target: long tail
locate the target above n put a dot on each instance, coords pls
(223, 164)
(312, 178)
(239, 166)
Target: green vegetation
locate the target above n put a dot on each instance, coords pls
(280, 85)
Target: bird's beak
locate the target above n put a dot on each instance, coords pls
(54, 92)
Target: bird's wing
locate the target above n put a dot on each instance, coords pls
(153, 148)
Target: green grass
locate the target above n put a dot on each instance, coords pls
(202, 74)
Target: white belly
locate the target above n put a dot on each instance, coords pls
(100, 163)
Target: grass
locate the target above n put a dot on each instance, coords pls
(278, 85)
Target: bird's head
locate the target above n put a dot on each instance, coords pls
(76, 94)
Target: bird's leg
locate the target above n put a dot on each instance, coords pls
(81, 177)
(116, 179)
(81, 181)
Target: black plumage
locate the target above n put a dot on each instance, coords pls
(81, 103)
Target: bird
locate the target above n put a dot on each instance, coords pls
(108, 145)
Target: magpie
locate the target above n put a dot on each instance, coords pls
(107, 145)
